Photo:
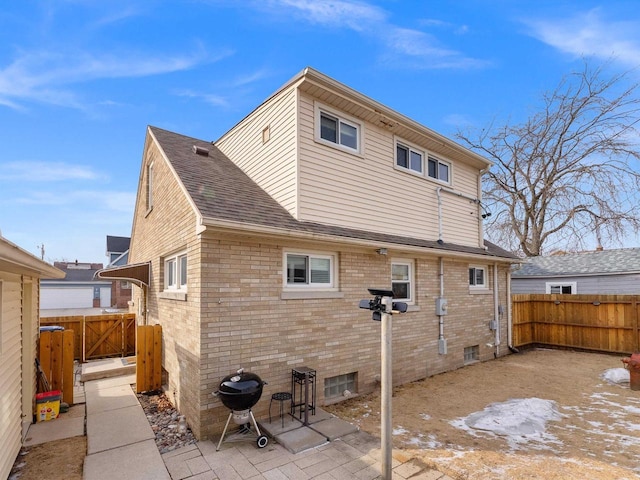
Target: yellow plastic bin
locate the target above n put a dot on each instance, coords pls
(47, 405)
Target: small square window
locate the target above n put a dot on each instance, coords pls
(471, 354)
(335, 129)
(338, 385)
(438, 169)
(477, 277)
(409, 158)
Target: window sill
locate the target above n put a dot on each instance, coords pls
(480, 291)
(181, 296)
(413, 308)
(305, 294)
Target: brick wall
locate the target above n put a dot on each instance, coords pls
(247, 324)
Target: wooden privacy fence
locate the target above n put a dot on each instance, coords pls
(56, 361)
(99, 336)
(149, 358)
(607, 323)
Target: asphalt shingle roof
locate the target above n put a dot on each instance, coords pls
(117, 244)
(221, 190)
(626, 260)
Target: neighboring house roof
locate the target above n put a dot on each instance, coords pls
(14, 259)
(75, 273)
(226, 195)
(117, 244)
(599, 262)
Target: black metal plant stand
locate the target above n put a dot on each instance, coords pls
(302, 379)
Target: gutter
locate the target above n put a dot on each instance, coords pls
(285, 233)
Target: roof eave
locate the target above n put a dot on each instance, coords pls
(248, 228)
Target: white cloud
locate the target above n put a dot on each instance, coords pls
(425, 51)
(29, 171)
(352, 14)
(401, 46)
(46, 76)
(590, 33)
(210, 98)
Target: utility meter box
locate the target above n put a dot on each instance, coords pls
(441, 306)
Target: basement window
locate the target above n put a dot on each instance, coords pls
(471, 354)
(337, 386)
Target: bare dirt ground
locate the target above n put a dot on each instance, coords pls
(596, 435)
(59, 460)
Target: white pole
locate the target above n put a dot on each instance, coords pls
(386, 388)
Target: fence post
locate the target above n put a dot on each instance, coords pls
(636, 343)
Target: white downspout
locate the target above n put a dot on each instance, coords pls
(441, 317)
(439, 220)
(496, 307)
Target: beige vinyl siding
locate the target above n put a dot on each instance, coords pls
(10, 372)
(367, 192)
(271, 165)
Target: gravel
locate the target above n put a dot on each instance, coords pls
(163, 418)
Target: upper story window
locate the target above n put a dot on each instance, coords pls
(415, 160)
(175, 272)
(409, 158)
(402, 280)
(477, 277)
(439, 169)
(309, 270)
(150, 186)
(337, 130)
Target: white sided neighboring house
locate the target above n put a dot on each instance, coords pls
(20, 274)
(598, 272)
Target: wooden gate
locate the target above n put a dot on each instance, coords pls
(99, 336)
(149, 358)
(56, 361)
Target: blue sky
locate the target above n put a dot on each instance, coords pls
(81, 79)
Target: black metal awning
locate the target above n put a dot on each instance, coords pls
(137, 273)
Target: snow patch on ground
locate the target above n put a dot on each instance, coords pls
(520, 421)
(618, 376)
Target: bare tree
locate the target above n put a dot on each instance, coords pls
(569, 171)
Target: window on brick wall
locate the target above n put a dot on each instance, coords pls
(175, 272)
(402, 280)
(150, 186)
(471, 354)
(477, 277)
(338, 385)
(309, 270)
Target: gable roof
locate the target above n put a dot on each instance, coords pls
(117, 244)
(223, 194)
(599, 262)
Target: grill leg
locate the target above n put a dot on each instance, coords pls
(225, 430)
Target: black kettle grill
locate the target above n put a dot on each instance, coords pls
(239, 392)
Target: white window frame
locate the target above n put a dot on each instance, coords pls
(341, 118)
(149, 186)
(411, 264)
(485, 278)
(175, 280)
(426, 157)
(573, 285)
(308, 285)
(410, 149)
(439, 162)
